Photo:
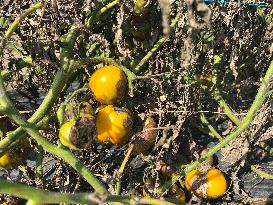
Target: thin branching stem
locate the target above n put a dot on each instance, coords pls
(210, 127)
(217, 93)
(261, 173)
(94, 17)
(158, 44)
(15, 25)
(122, 167)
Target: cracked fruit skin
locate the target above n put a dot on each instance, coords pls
(108, 84)
(64, 134)
(216, 182)
(114, 125)
(210, 185)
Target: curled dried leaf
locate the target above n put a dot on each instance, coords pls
(145, 139)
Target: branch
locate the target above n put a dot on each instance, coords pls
(45, 197)
(211, 128)
(122, 167)
(217, 93)
(90, 22)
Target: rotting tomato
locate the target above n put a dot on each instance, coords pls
(145, 139)
(108, 84)
(77, 134)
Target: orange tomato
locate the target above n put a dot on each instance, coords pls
(108, 84)
(113, 125)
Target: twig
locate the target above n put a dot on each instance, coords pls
(122, 167)
(158, 44)
(261, 173)
(90, 22)
(211, 128)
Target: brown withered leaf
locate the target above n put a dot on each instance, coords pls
(145, 139)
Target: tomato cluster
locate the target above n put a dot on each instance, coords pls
(113, 125)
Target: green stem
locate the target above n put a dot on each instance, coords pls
(51, 97)
(217, 93)
(20, 134)
(211, 128)
(122, 167)
(15, 25)
(158, 44)
(45, 197)
(59, 82)
(261, 173)
(90, 22)
(256, 105)
(39, 165)
(59, 151)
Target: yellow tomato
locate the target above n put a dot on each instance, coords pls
(65, 134)
(108, 84)
(6, 160)
(216, 183)
(113, 125)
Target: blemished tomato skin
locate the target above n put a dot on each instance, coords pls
(108, 84)
(210, 185)
(113, 125)
(190, 177)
